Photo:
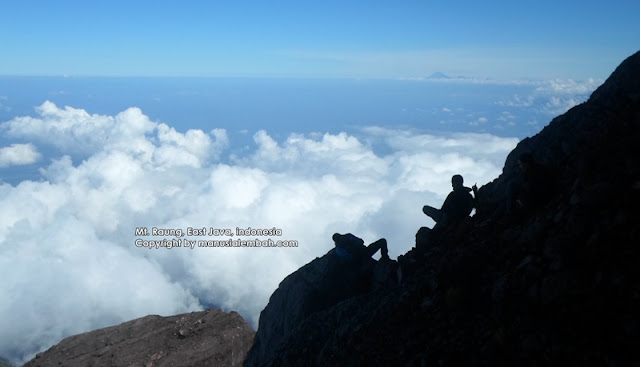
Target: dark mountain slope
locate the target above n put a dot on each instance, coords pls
(557, 285)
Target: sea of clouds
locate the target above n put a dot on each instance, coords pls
(67, 248)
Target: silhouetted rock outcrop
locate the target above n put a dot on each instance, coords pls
(556, 286)
(316, 286)
(207, 338)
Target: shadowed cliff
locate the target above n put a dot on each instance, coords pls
(557, 285)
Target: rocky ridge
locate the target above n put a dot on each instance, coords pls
(207, 338)
(559, 286)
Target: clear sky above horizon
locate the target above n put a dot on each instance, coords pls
(545, 39)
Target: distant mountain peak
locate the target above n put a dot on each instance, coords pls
(438, 75)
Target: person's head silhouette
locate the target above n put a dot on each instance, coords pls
(457, 181)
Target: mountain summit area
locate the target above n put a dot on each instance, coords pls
(555, 284)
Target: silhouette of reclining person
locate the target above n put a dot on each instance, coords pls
(348, 271)
(457, 206)
(351, 247)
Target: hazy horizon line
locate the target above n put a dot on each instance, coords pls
(425, 78)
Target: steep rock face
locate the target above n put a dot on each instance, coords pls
(316, 286)
(589, 140)
(557, 286)
(207, 338)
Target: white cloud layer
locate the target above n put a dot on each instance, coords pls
(554, 97)
(18, 154)
(67, 241)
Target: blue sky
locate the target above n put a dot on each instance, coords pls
(543, 39)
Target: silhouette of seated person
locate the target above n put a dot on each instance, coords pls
(456, 207)
(350, 247)
(534, 187)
